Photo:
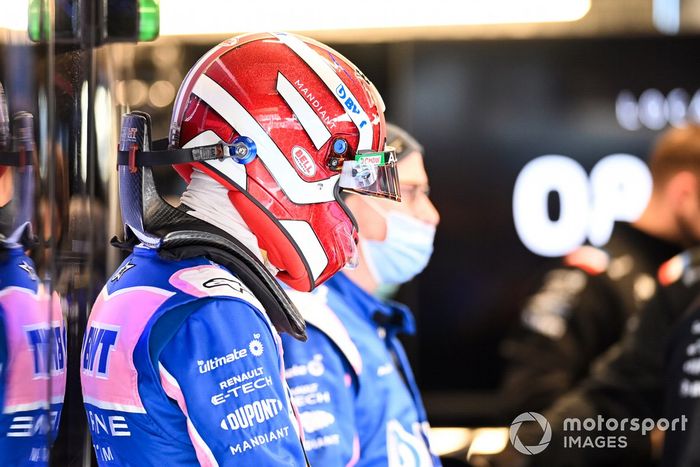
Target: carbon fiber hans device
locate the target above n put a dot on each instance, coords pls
(177, 235)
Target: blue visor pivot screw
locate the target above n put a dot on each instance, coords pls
(340, 146)
(243, 150)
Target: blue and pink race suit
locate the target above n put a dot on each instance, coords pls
(32, 363)
(352, 382)
(181, 366)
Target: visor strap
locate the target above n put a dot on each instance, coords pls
(135, 158)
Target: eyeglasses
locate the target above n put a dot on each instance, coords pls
(411, 193)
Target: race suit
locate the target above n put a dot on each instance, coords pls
(352, 382)
(180, 366)
(627, 383)
(32, 363)
(581, 309)
(682, 383)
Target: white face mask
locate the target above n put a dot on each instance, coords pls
(405, 251)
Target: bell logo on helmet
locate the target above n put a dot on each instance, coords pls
(303, 161)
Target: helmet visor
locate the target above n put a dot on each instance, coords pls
(372, 173)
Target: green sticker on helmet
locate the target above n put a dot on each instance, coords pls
(370, 158)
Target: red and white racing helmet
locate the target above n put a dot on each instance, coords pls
(304, 123)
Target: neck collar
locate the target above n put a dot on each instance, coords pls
(207, 200)
(393, 316)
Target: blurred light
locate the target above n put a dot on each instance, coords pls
(227, 17)
(488, 441)
(539, 177)
(621, 186)
(626, 111)
(84, 131)
(39, 20)
(120, 93)
(667, 16)
(644, 287)
(618, 189)
(444, 441)
(105, 134)
(161, 93)
(619, 267)
(653, 109)
(136, 92)
(694, 108)
(677, 107)
(15, 15)
(149, 20)
(43, 114)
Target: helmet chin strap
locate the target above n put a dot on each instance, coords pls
(207, 200)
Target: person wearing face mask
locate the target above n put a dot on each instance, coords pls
(351, 381)
(401, 255)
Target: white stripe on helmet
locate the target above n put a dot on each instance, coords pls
(297, 190)
(341, 92)
(311, 122)
(308, 243)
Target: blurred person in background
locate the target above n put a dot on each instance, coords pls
(628, 382)
(32, 329)
(650, 373)
(682, 364)
(182, 361)
(351, 381)
(584, 306)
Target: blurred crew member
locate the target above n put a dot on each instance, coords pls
(583, 307)
(181, 363)
(678, 377)
(682, 384)
(654, 355)
(358, 400)
(628, 382)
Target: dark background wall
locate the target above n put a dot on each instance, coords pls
(483, 110)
